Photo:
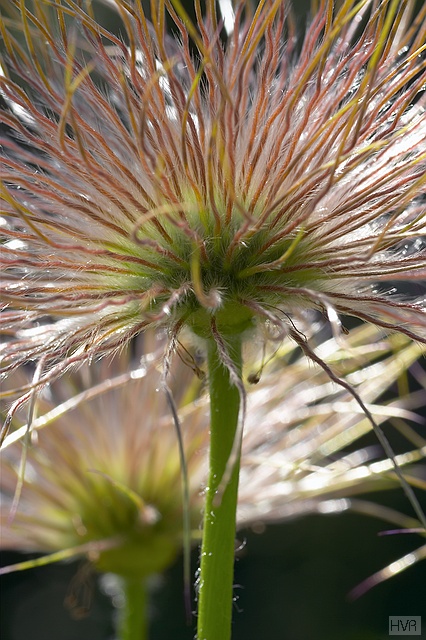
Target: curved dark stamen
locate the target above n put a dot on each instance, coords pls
(186, 517)
(309, 353)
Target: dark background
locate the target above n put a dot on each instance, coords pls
(292, 583)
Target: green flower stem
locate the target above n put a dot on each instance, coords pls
(217, 549)
(133, 623)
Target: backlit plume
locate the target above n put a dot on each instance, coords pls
(223, 178)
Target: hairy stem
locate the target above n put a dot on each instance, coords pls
(133, 621)
(217, 550)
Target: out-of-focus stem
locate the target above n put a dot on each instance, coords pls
(133, 622)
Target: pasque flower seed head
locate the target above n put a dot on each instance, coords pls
(207, 180)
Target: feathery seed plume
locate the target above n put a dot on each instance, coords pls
(215, 181)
